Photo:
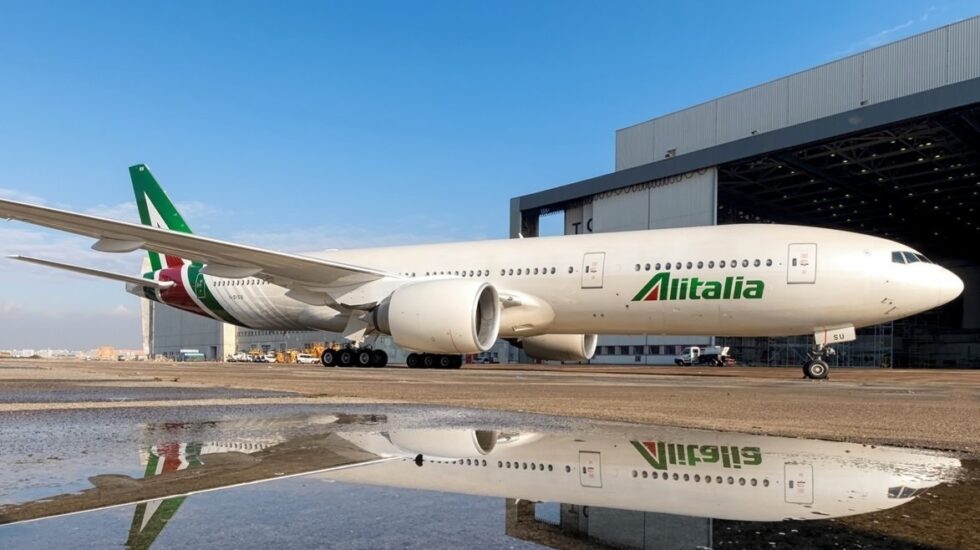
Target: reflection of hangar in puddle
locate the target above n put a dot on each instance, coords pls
(885, 142)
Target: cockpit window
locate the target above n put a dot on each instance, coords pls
(922, 258)
(910, 258)
(898, 258)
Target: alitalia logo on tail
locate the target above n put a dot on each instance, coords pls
(664, 287)
(663, 454)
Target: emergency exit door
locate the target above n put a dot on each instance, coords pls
(590, 469)
(802, 263)
(592, 265)
(798, 483)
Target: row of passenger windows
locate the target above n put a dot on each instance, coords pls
(909, 258)
(697, 478)
(539, 467)
(250, 281)
(700, 265)
(486, 272)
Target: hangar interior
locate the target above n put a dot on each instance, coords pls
(884, 142)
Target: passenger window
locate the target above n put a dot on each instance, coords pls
(700, 265)
(721, 263)
(667, 266)
(711, 264)
(518, 271)
(637, 267)
(552, 271)
(510, 271)
(757, 263)
(535, 271)
(794, 262)
(910, 258)
(734, 263)
(646, 267)
(896, 258)
(657, 267)
(471, 273)
(571, 269)
(769, 263)
(745, 263)
(689, 265)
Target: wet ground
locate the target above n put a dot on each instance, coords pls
(249, 468)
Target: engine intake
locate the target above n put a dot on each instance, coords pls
(560, 347)
(441, 443)
(445, 316)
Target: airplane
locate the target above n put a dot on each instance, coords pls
(552, 296)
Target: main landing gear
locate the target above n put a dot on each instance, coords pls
(816, 367)
(354, 357)
(433, 361)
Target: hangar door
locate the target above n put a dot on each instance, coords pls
(802, 263)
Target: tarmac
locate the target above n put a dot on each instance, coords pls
(933, 409)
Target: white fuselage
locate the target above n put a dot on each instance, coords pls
(776, 280)
(674, 471)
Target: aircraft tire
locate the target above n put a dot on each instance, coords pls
(428, 360)
(445, 361)
(413, 361)
(363, 358)
(345, 358)
(816, 370)
(457, 362)
(329, 358)
(380, 358)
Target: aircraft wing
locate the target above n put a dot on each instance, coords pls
(223, 258)
(138, 281)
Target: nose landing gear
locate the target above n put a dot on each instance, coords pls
(816, 367)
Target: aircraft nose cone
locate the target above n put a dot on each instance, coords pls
(950, 287)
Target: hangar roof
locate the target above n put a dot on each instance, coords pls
(904, 167)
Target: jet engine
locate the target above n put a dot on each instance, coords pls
(446, 316)
(560, 347)
(451, 444)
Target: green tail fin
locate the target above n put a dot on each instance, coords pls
(156, 210)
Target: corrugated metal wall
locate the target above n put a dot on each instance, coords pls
(943, 56)
(684, 201)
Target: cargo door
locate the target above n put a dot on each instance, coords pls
(590, 469)
(799, 483)
(592, 265)
(802, 263)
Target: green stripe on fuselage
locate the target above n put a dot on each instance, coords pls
(203, 293)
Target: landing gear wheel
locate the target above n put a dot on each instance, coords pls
(816, 369)
(363, 358)
(345, 358)
(428, 360)
(457, 362)
(413, 361)
(380, 358)
(445, 361)
(329, 358)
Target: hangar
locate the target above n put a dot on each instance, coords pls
(884, 142)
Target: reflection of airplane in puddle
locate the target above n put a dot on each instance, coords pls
(659, 470)
(673, 471)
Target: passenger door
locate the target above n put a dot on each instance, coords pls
(801, 265)
(590, 469)
(798, 483)
(592, 265)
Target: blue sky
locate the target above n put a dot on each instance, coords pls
(305, 126)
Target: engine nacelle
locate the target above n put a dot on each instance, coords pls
(444, 316)
(560, 347)
(442, 443)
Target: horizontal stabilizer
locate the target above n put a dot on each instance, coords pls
(139, 281)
